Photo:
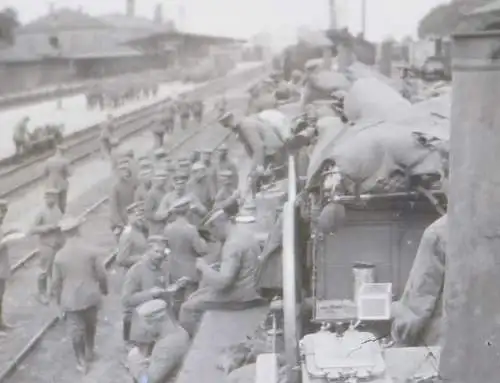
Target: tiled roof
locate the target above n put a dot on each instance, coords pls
(62, 19)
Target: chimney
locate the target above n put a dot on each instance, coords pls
(131, 8)
(158, 15)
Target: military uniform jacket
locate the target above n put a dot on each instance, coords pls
(4, 258)
(151, 205)
(141, 193)
(228, 165)
(20, 131)
(186, 245)
(122, 196)
(79, 277)
(131, 247)
(139, 279)
(57, 173)
(224, 197)
(203, 190)
(45, 218)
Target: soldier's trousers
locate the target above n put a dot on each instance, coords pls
(3, 283)
(63, 200)
(47, 255)
(81, 325)
(184, 123)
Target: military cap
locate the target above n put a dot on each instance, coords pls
(182, 203)
(4, 203)
(181, 176)
(225, 173)
(225, 117)
(51, 191)
(206, 151)
(223, 148)
(145, 170)
(123, 165)
(160, 152)
(154, 309)
(129, 153)
(69, 223)
(198, 166)
(113, 141)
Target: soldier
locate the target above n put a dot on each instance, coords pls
(122, 195)
(162, 347)
(144, 281)
(50, 239)
(152, 203)
(158, 129)
(133, 242)
(169, 117)
(4, 263)
(225, 164)
(211, 171)
(186, 245)
(184, 112)
(197, 110)
(106, 136)
(145, 182)
(201, 185)
(227, 194)
(195, 156)
(79, 281)
(184, 165)
(160, 158)
(164, 210)
(221, 106)
(20, 136)
(57, 173)
(234, 285)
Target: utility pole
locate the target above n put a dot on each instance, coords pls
(332, 5)
(472, 284)
(363, 17)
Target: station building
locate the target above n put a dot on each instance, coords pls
(69, 45)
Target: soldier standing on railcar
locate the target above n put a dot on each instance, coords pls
(50, 239)
(57, 173)
(122, 196)
(78, 284)
(152, 203)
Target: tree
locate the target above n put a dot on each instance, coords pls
(8, 23)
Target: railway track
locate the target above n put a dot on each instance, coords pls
(84, 143)
(201, 138)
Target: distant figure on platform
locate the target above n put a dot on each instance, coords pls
(50, 240)
(186, 246)
(197, 108)
(144, 281)
(184, 112)
(211, 171)
(224, 163)
(158, 129)
(161, 344)
(168, 120)
(133, 241)
(106, 136)
(4, 264)
(57, 173)
(221, 106)
(20, 136)
(122, 196)
(152, 202)
(78, 284)
(234, 286)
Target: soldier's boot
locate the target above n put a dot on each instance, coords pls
(127, 324)
(90, 354)
(79, 349)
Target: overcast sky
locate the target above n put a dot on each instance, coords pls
(243, 18)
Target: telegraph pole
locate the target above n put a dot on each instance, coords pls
(332, 5)
(363, 17)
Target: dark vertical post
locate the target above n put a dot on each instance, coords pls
(471, 351)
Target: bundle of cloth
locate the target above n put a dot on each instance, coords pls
(387, 136)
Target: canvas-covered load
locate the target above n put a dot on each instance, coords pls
(369, 153)
(264, 101)
(322, 83)
(277, 120)
(439, 106)
(371, 99)
(358, 71)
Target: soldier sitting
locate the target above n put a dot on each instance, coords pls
(161, 344)
(57, 173)
(234, 286)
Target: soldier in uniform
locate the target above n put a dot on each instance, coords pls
(79, 281)
(186, 245)
(133, 242)
(169, 117)
(106, 136)
(4, 264)
(122, 196)
(225, 164)
(184, 112)
(57, 173)
(211, 171)
(144, 281)
(161, 349)
(21, 136)
(164, 210)
(197, 110)
(160, 158)
(50, 239)
(152, 203)
(234, 286)
(221, 106)
(227, 194)
(145, 182)
(158, 129)
(201, 185)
